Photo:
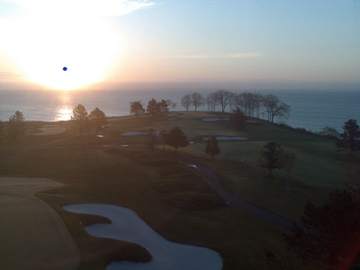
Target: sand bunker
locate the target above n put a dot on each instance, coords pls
(226, 138)
(212, 119)
(33, 236)
(50, 130)
(172, 114)
(127, 226)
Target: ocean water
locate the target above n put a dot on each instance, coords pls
(312, 110)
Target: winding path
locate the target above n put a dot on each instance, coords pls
(216, 185)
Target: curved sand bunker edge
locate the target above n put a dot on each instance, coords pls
(128, 226)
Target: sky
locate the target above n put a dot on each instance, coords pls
(119, 44)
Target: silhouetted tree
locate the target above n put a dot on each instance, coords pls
(197, 100)
(350, 138)
(212, 147)
(289, 159)
(211, 102)
(153, 107)
(171, 104)
(151, 138)
(237, 118)
(98, 119)
(272, 157)
(223, 98)
(329, 132)
(16, 125)
(186, 101)
(176, 138)
(136, 108)
(329, 234)
(80, 118)
(275, 108)
(163, 106)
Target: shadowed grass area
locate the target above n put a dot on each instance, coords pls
(152, 184)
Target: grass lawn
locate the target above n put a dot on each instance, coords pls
(95, 172)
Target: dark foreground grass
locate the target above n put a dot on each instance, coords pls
(164, 192)
(91, 175)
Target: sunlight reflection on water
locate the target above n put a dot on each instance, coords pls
(64, 110)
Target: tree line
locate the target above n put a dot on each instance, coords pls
(16, 126)
(251, 104)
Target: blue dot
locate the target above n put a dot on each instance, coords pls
(64, 68)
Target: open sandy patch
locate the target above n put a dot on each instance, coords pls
(127, 226)
(50, 130)
(33, 236)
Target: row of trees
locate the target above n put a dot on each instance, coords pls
(153, 107)
(251, 104)
(85, 121)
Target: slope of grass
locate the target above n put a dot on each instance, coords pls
(93, 173)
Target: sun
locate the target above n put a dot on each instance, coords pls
(44, 47)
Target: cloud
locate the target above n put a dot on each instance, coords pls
(214, 56)
(90, 8)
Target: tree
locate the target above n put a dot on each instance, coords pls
(136, 108)
(153, 107)
(186, 101)
(329, 234)
(80, 117)
(197, 100)
(272, 157)
(211, 102)
(163, 106)
(151, 138)
(16, 125)
(223, 98)
(275, 108)
(329, 132)
(176, 138)
(237, 118)
(212, 147)
(350, 138)
(98, 118)
(171, 104)
(289, 161)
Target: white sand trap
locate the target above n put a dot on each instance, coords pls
(127, 226)
(50, 130)
(212, 119)
(172, 114)
(33, 236)
(226, 138)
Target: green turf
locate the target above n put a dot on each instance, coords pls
(94, 171)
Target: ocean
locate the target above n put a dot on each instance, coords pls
(312, 110)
